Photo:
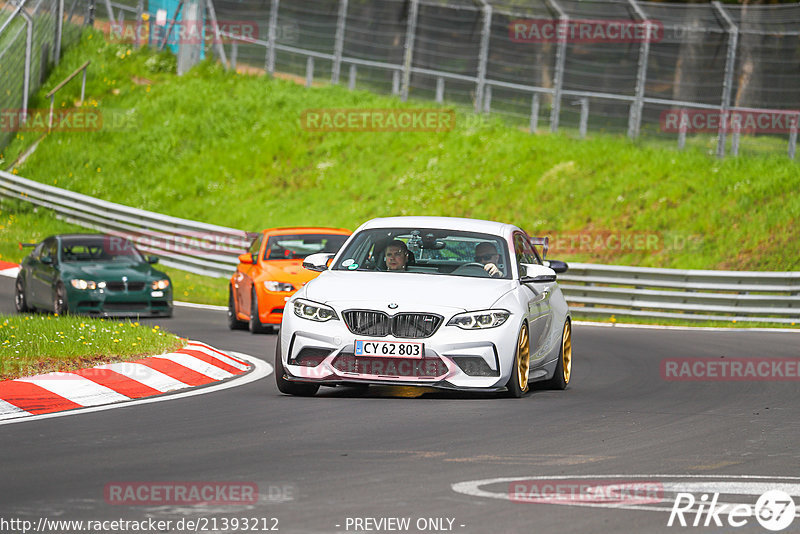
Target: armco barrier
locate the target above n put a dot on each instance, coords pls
(589, 288)
(189, 245)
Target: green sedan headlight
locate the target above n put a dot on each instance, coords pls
(77, 283)
(272, 285)
(314, 311)
(160, 284)
(479, 319)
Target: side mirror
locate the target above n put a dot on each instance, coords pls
(47, 260)
(318, 262)
(537, 274)
(152, 259)
(246, 258)
(557, 265)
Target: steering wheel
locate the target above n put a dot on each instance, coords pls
(470, 266)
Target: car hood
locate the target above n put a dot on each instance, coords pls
(111, 271)
(291, 271)
(410, 291)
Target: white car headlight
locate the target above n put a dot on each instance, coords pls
(479, 319)
(272, 285)
(77, 283)
(314, 311)
(160, 284)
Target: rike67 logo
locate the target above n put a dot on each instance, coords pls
(774, 510)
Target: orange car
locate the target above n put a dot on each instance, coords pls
(272, 270)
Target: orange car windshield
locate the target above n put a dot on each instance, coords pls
(298, 246)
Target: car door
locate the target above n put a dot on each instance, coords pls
(246, 272)
(43, 274)
(537, 297)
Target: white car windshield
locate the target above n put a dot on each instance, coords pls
(426, 251)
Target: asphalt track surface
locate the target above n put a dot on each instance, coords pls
(397, 452)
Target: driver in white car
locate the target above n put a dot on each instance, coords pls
(487, 254)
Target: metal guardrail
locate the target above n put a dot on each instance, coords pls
(193, 246)
(767, 296)
(590, 289)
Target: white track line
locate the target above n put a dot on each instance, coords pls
(260, 370)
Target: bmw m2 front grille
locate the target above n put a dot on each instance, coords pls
(403, 325)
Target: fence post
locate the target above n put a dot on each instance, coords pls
(110, 12)
(439, 90)
(137, 41)
(483, 54)
(26, 82)
(310, 71)
(90, 14)
(635, 117)
(793, 135)
(584, 123)
(273, 30)
(234, 53)
(338, 46)
(558, 80)
(395, 82)
(727, 83)
(351, 83)
(682, 125)
(534, 112)
(487, 99)
(411, 32)
(212, 13)
(57, 38)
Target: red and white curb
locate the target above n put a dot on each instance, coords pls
(8, 269)
(196, 364)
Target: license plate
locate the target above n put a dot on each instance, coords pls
(396, 349)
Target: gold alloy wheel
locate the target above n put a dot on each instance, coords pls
(523, 358)
(566, 351)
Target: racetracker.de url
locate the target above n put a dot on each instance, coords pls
(45, 525)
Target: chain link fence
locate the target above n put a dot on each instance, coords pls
(32, 35)
(724, 75)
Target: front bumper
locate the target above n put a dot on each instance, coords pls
(453, 358)
(105, 303)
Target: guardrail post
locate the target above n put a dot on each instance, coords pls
(584, 123)
(793, 135)
(395, 82)
(338, 46)
(351, 82)
(90, 13)
(483, 54)
(487, 99)
(735, 138)
(411, 32)
(234, 53)
(271, 36)
(439, 90)
(558, 79)
(534, 113)
(310, 71)
(727, 83)
(635, 117)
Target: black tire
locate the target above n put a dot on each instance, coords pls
(233, 322)
(285, 386)
(20, 299)
(561, 378)
(518, 384)
(60, 304)
(254, 324)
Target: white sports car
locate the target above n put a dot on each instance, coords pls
(430, 301)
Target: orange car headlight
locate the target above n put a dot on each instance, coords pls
(272, 285)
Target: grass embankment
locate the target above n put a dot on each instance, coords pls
(228, 149)
(34, 344)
